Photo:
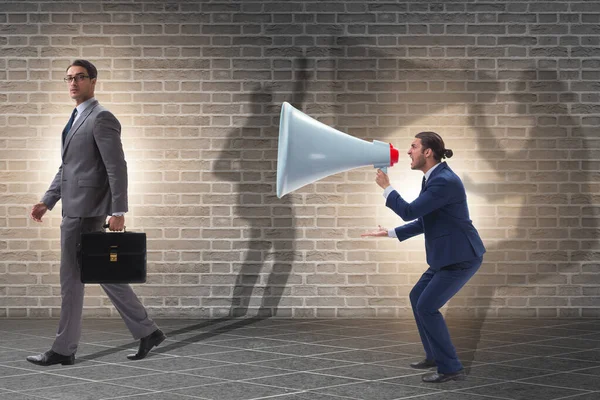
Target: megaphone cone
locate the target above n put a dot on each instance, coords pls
(309, 150)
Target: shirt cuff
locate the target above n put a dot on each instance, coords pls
(387, 191)
(392, 233)
(118, 214)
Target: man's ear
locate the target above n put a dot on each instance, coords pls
(428, 153)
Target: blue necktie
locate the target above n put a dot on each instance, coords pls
(423, 184)
(69, 125)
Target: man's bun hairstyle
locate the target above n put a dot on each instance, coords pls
(433, 141)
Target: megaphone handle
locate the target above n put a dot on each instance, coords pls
(384, 169)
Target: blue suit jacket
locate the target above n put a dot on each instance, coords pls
(441, 213)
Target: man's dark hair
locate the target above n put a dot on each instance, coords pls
(90, 68)
(433, 141)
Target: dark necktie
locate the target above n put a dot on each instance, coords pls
(423, 184)
(69, 125)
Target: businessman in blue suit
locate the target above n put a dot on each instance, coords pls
(453, 246)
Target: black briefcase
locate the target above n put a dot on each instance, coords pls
(113, 257)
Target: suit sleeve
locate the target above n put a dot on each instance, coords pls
(53, 194)
(409, 230)
(435, 196)
(107, 134)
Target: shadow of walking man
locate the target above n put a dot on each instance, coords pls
(268, 224)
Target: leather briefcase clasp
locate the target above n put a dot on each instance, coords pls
(113, 253)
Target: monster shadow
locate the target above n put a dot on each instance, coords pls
(534, 128)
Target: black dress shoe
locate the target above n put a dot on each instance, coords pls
(147, 343)
(51, 358)
(425, 364)
(440, 378)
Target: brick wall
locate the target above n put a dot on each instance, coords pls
(197, 86)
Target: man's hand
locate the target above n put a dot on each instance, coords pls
(380, 232)
(37, 211)
(116, 223)
(382, 179)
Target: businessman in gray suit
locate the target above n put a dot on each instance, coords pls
(92, 183)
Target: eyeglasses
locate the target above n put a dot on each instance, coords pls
(76, 78)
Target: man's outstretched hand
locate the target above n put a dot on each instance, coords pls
(379, 232)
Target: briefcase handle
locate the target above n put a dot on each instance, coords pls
(105, 226)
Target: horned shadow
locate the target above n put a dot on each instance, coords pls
(535, 155)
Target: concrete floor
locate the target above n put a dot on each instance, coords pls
(341, 359)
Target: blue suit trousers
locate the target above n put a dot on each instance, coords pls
(430, 293)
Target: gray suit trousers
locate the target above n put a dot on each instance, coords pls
(122, 296)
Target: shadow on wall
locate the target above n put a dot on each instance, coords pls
(268, 224)
(545, 216)
(531, 153)
(534, 158)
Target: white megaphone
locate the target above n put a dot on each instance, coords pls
(309, 150)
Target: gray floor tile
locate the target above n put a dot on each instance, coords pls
(259, 332)
(110, 355)
(523, 391)
(503, 372)
(6, 371)
(376, 390)
(532, 349)
(587, 355)
(363, 356)
(368, 372)
(255, 356)
(557, 331)
(158, 396)
(460, 396)
(307, 337)
(309, 396)
(304, 349)
(469, 343)
(16, 396)
(189, 349)
(587, 396)
(589, 371)
(567, 380)
(410, 349)
(416, 380)
(551, 363)
(352, 332)
(237, 371)
(170, 364)
(165, 381)
(102, 372)
(357, 343)
(590, 336)
(488, 356)
(518, 337)
(242, 356)
(253, 343)
(303, 363)
(571, 343)
(232, 391)
(87, 391)
(36, 381)
(28, 344)
(399, 337)
(8, 335)
(303, 380)
(101, 337)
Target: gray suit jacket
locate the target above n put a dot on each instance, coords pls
(92, 180)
